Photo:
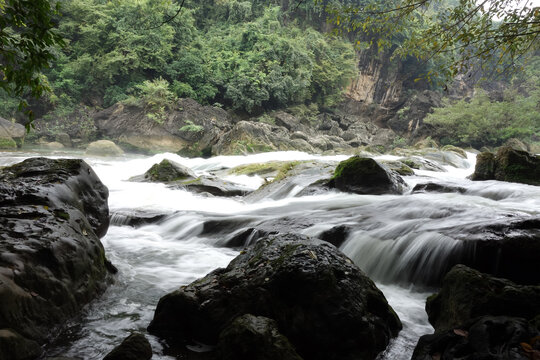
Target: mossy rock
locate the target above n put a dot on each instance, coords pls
(364, 175)
(168, 171)
(7, 143)
(508, 165)
(517, 166)
(455, 149)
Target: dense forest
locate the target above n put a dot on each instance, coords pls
(252, 57)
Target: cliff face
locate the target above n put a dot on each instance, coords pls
(378, 80)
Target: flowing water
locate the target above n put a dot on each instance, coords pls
(402, 242)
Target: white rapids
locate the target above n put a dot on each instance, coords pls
(396, 239)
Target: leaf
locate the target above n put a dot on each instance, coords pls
(526, 347)
(460, 332)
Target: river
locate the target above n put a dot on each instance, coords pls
(402, 242)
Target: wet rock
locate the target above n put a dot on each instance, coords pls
(168, 171)
(136, 218)
(52, 213)
(134, 347)
(487, 337)
(485, 167)
(467, 294)
(440, 188)
(104, 148)
(316, 295)
(362, 175)
(336, 235)
(254, 337)
(399, 167)
(419, 163)
(213, 185)
(507, 248)
(508, 165)
(246, 237)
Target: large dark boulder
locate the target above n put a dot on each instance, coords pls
(322, 302)
(364, 175)
(508, 165)
(467, 294)
(52, 213)
(134, 347)
(476, 315)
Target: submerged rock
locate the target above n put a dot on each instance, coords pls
(52, 213)
(134, 347)
(365, 176)
(320, 300)
(440, 188)
(508, 165)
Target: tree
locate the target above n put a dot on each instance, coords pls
(460, 33)
(27, 38)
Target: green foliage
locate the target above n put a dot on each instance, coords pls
(237, 53)
(484, 122)
(156, 98)
(457, 34)
(27, 37)
(191, 127)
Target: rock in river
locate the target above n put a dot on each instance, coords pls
(508, 165)
(477, 316)
(363, 175)
(322, 303)
(52, 214)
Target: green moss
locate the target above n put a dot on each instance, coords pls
(351, 166)
(7, 143)
(165, 171)
(280, 168)
(257, 168)
(411, 163)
